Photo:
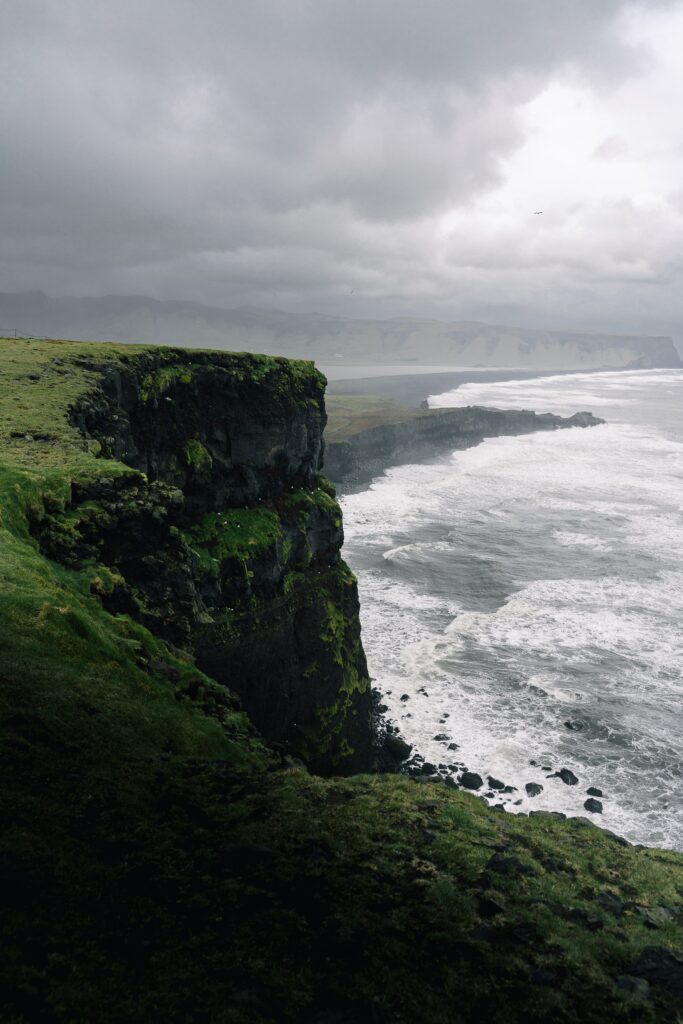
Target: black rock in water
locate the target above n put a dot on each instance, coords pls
(533, 789)
(594, 791)
(470, 780)
(396, 747)
(594, 806)
(496, 783)
(566, 775)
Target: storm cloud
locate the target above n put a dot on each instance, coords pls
(375, 158)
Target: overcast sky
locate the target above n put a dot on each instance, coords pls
(361, 157)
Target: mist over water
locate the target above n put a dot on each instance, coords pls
(535, 581)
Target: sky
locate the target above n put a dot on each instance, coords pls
(355, 157)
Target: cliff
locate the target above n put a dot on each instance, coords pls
(355, 455)
(203, 505)
(167, 543)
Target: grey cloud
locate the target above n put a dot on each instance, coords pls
(233, 151)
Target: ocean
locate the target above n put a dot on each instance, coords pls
(523, 599)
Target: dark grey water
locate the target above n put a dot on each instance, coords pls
(537, 580)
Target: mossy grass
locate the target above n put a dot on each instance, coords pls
(349, 414)
(283, 896)
(241, 533)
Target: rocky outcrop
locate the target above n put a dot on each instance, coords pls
(368, 452)
(224, 540)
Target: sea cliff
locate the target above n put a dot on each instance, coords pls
(183, 696)
(364, 452)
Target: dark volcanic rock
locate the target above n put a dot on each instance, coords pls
(397, 747)
(533, 789)
(593, 791)
(470, 780)
(368, 452)
(229, 545)
(566, 775)
(661, 967)
(634, 986)
(496, 783)
(594, 806)
(509, 865)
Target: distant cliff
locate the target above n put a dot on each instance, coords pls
(329, 338)
(367, 452)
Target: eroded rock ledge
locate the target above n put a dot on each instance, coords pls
(225, 540)
(366, 453)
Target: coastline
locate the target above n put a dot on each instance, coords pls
(412, 389)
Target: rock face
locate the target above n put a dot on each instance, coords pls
(368, 452)
(225, 541)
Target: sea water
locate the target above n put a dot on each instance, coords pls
(525, 599)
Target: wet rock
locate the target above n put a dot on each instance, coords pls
(593, 791)
(566, 775)
(453, 746)
(496, 783)
(428, 768)
(594, 806)
(533, 789)
(441, 737)
(405, 697)
(509, 789)
(470, 780)
(396, 747)
(662, 967)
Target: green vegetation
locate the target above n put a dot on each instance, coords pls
(349, 414)
(236, 533)
(298, 505)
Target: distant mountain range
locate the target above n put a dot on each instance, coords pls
(327, 339)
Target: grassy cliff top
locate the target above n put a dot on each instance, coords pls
(64, 661)
(41, 380)
(349, 414)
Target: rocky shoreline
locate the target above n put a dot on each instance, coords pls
(364, 454)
